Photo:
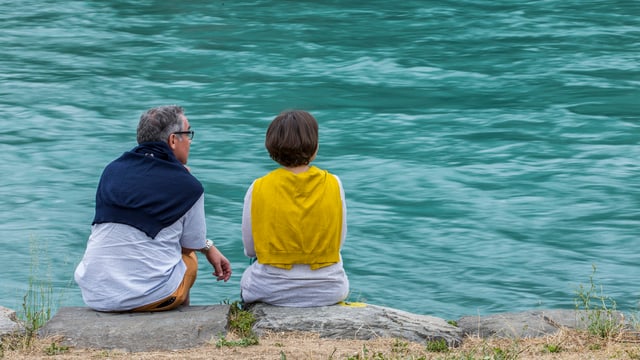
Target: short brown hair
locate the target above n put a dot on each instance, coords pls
(292, 138)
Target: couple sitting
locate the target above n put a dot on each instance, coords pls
(150, 222)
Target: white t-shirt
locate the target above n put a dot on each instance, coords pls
(123, 268)
(298, 287)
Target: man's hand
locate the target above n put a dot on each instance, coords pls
(221, 266)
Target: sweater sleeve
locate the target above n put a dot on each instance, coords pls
(247, 235)
(343, 236)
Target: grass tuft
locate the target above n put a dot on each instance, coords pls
(597, 310)
(439, 345)
(240, 325)
(37, 301)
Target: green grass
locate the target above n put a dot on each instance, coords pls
(552, 348)
(437, 346)
(244, 342)
(37, 302)
(597, 310)
(36, 307)
(240, 323)
(55, 349)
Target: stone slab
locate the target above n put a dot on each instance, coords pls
(8, 321)
(526, 324)
(363, 321)
(185, 327)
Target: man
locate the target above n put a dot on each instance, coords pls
(148, 223)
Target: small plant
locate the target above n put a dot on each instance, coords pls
(552, 348)
(36, 309)
(599, 310)
(37, 301)
(452, 322)
(399, 346)
(240, 324)
(244, 342)
(502, 354)
(439, 345)
(55, 349)
(241, 321)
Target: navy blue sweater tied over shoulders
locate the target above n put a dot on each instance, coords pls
(147, 188)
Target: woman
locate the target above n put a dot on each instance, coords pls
(294, 223)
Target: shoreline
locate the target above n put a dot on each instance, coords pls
(499, 336)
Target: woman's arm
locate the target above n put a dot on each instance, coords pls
(343, 236)
(247, 235)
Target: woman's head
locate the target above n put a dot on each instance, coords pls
(292, 138)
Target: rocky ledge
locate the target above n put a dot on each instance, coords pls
(193, 326)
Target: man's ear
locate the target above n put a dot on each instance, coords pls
(172, 141)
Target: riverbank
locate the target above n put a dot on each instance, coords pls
(566, 344)
(336, 332)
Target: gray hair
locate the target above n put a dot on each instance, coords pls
(158, 123)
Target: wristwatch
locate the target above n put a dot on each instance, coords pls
(207, 245)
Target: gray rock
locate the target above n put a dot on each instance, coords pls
(182, 328)
(196, 325)
(344, 322)
(527, 324)
(8, 321)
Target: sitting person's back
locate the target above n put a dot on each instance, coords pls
(294, 223)
(149, 222)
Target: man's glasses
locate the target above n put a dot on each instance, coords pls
(189, 132)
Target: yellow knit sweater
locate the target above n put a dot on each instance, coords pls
(297, 218)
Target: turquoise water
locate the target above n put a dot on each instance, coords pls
(489, 151)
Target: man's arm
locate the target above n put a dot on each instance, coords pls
(194, 239)
(221, 266)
